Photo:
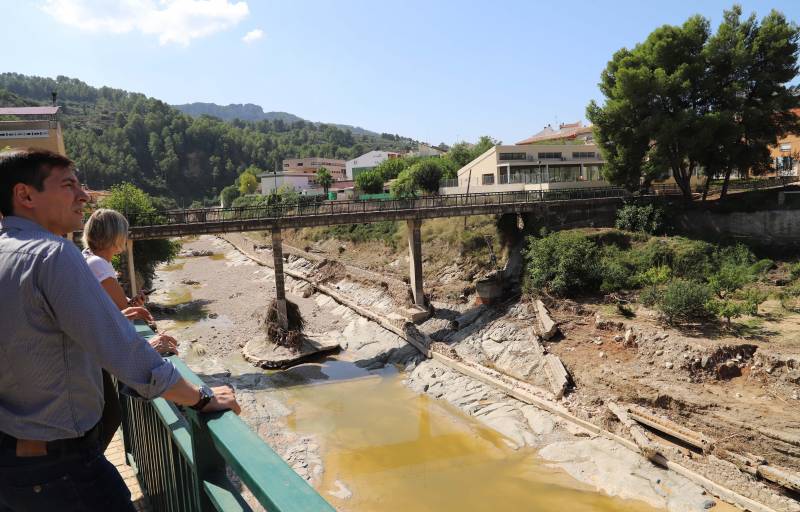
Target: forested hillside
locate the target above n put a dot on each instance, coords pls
(250, 112)
(118, 136)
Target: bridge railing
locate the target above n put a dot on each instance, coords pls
(181, 458)
(276, 211)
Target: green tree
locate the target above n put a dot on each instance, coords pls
(138, 207)
(228, 195)
(370, 182)
(391, 168)
(248, 184)
(427, 174)
(404, 186)
(685, 99)
(562, 263)
(324, 179)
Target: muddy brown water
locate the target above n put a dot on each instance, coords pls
(395, 450)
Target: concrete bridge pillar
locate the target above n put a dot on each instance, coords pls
(415, 261)
(280, 289)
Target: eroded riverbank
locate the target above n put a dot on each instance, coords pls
(318, 435)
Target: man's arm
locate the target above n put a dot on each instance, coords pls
(87, 315)
(185, 393)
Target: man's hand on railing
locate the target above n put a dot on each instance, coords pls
(223, 400)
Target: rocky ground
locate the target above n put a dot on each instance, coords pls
(692, 381)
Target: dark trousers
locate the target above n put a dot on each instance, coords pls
(112, 411)
(73, 479)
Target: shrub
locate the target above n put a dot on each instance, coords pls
(684, 299)
(404, 186)
(691, 258)
(729, 278)
(643, 218)
(370, 182)
(383, 231)
(727, 308)
(794, 270)
(562, 263)
(427, 175)
(616, 272)
(762, 266)
(752, 297)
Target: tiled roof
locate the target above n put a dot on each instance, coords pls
(28, 111)
(565, 131)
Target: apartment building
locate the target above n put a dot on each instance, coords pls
(550, 159)
(313, 164)
(786, 154)
(367, 161)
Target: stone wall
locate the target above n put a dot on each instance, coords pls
(772, 228)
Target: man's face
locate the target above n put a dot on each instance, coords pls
(59, 206)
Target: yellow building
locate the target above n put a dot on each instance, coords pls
(31, 127)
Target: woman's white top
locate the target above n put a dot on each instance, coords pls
(101, 268)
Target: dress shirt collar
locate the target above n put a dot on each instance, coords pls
(22, 223)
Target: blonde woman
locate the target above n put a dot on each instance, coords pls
(104, 236)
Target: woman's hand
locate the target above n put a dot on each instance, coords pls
(138, 313)
(164, 344)
(139, 300)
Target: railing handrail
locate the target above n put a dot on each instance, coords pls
(268, 477)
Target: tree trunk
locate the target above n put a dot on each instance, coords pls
(725, 182)
(683, 182)
(706, 185)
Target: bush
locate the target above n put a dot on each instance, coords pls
(615, 270)
(691, 259)
(684, 299)
(427, 175)
(794, 270)
(646, 219)
(752, 297)
(370, 182)
(562, 263)
(727, 309)
(762, 267)
(404, 186)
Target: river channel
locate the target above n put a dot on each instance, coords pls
(383, 447)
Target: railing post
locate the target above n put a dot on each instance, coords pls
(131, 267)
(207, 460)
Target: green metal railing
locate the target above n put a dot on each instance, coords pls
(182, 457)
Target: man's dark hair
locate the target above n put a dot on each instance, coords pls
(28, 166)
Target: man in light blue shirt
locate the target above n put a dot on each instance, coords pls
(59, 328)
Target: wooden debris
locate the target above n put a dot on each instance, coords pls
(780, 476)
(547, 326)
(646, 447)
(556, 374)
(669, 427)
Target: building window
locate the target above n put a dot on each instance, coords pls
(512, 156)
(487, 179)
(583, 154)
(548, 155)
(286, 165)
(786, 147)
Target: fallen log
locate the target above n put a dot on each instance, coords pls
(669, 427)
(646, 447)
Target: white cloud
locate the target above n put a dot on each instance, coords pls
(172, 21)
(253, 36)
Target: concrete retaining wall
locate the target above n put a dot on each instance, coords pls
(774, 228)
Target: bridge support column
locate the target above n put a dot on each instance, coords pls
(415, 261)
(131, 267)
(280, 288)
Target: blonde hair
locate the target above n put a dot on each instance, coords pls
(104, 229)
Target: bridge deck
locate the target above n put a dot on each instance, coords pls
(116, 455)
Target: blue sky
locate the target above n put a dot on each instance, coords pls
(438, 71)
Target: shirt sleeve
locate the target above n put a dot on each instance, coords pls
(86, 314)
(101, 269)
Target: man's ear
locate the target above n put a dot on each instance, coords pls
(21, 196)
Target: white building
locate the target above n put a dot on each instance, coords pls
(551, 159)
(367, 161)
(299, 180)
(424, 150)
